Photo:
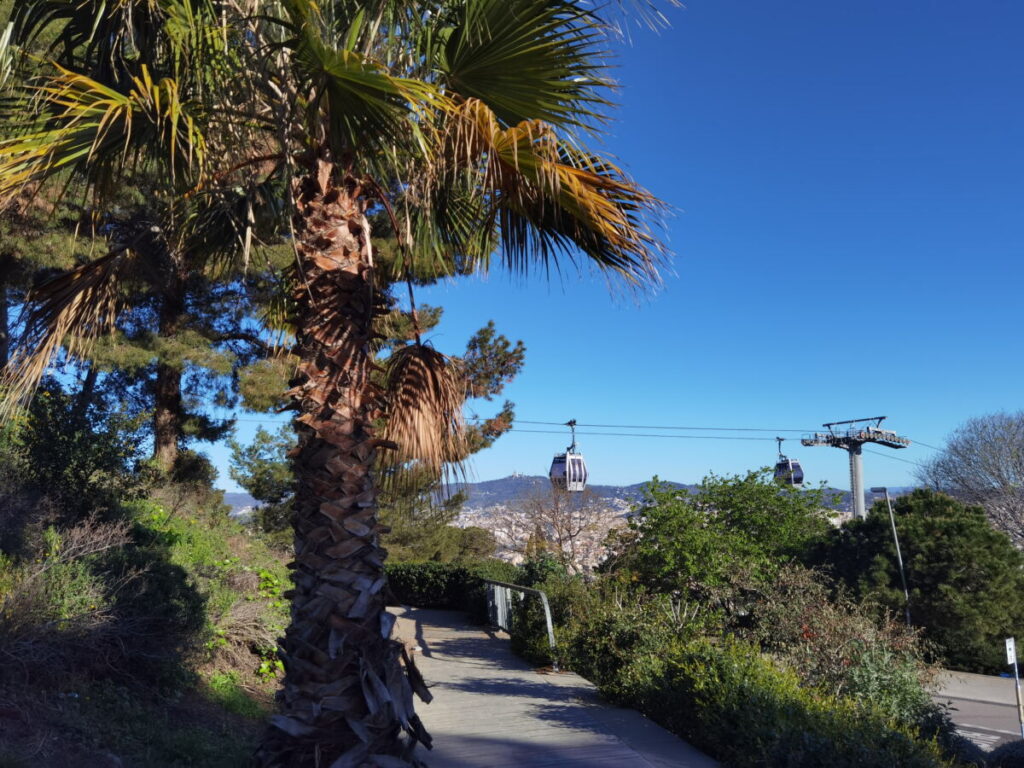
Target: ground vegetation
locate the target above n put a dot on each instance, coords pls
(138, 622)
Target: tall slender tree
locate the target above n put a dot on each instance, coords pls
(465, 120)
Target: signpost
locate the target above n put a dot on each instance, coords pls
(1011, 659)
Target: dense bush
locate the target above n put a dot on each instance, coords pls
(426, 585)
(731, 701)
(1008, 755)
(684, 542)
(149, 597)
(788, 669)
(63, 457)
(835, 645)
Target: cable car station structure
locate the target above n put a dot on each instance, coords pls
(852, 439)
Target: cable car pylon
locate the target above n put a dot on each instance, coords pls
(569, 470)
(852, 440)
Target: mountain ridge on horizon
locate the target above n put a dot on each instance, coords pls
(517, 486)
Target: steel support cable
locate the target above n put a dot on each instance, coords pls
(674, 428)
(640, 434)
(652, 426)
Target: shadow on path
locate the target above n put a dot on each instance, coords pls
(492, 709)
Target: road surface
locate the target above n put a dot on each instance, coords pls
(984, 707)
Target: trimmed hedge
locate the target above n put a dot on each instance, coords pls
(455, 586)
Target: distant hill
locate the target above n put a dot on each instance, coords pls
(507, 490)
(491, 494)
(240, 502)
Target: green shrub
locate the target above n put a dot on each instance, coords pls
(959, 569)
(75, 604)
(542, 568)
(455, 586)
(426, 585)
(833, 644)
(77, 458)
(829, 667)
(740, 707)
(606, 627)
(1008, 755)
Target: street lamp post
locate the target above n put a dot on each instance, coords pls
(899, 556)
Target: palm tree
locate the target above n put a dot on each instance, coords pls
(466, 121)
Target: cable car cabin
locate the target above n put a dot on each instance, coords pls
(789, 472)
(569, 472)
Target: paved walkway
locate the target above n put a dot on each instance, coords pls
(492, 710)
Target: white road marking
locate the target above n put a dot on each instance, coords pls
(961, 726)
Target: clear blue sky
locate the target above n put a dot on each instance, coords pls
(848, 180)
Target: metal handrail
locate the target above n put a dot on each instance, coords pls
(498, 610)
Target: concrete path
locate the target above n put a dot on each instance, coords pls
(983, 707)
(492, 710)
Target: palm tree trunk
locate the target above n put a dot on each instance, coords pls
(344, 691)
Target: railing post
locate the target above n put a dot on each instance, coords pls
(499, 596)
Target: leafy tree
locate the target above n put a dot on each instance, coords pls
(466, 119)
(61, 463)
(983, 463)
(685, 541)
(262, 468)
(965, 578)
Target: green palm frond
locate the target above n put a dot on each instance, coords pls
(528, 60)
(8, 52)
(355, 102)
(549, 198)
(101, 130)
(107, 38)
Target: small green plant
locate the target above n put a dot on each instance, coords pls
(270, 665)
(270, 588)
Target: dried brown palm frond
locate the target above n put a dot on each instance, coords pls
(71, 310)
(423, 413)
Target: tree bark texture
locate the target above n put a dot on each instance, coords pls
(167, 405)
(346, 699)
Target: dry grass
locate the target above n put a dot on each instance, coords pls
(54, 615)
